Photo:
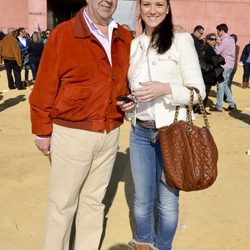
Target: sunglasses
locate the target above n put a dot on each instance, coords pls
(212, 39)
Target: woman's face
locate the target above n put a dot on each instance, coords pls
(212, 40)
(153, 12)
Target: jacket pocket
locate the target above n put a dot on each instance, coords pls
(71, 102)
(77, 93)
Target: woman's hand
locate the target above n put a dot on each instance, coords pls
(127, 106)
(151, 90)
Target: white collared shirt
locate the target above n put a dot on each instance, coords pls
(106, 43)
(145, 110)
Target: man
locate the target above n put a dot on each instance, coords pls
(11, 55)
(75, 117)
(197, 34)
(226, 48)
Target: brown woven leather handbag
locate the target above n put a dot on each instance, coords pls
(189, 152)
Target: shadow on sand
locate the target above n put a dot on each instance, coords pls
(121, 173)
(2, 67)
(120, 247)
(237, 114)
(11, 102)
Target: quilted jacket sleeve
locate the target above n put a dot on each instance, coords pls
(189, 69)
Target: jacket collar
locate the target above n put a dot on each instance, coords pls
(81, 29)
(144, 41)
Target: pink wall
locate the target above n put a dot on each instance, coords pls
(209, 14)
(29, 14)
(13, 14)
(37, 15)
(32, 14)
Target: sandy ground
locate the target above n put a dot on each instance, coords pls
(214, 219)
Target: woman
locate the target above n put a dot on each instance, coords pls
(210, 65)
(36, 50)
(46, 35)
(161, 66)
(245, 60)
(24, 44)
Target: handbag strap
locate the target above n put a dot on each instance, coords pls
(189, 109)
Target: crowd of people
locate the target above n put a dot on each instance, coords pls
(75, 113)
(218, 55)
(19, 50)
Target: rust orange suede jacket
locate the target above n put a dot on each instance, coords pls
(76, 86)
(9, 49)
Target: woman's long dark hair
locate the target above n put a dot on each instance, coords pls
(162, 36)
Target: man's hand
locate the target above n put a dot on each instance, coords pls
(43, 144)
(240, 63)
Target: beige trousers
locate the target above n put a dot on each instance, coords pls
(82, 162)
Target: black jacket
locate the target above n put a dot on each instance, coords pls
(197, 43)
(245, 53)
(210, 64)
(35, 52)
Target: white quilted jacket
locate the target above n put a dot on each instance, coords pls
(179, 67)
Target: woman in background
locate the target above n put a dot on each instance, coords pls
(24, 44)
(35, 53)
(245, 60)
(210, 65)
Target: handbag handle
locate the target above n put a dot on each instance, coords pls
(189, 108)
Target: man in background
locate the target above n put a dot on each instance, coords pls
(10, 54)
(226, 48)
(197, 34)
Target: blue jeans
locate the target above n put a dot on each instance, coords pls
(146, 167)
(246, 72)
(231, 77)
(223, 88)
(34, 68)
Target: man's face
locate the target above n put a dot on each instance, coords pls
(220, 33)
(199, 33)
(100, 11)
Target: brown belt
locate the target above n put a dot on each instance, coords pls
(149, 124)
(146, 124)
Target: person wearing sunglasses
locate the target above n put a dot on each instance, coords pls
(197, 34)
(210, 64)
(46, 35)
(24, 44)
